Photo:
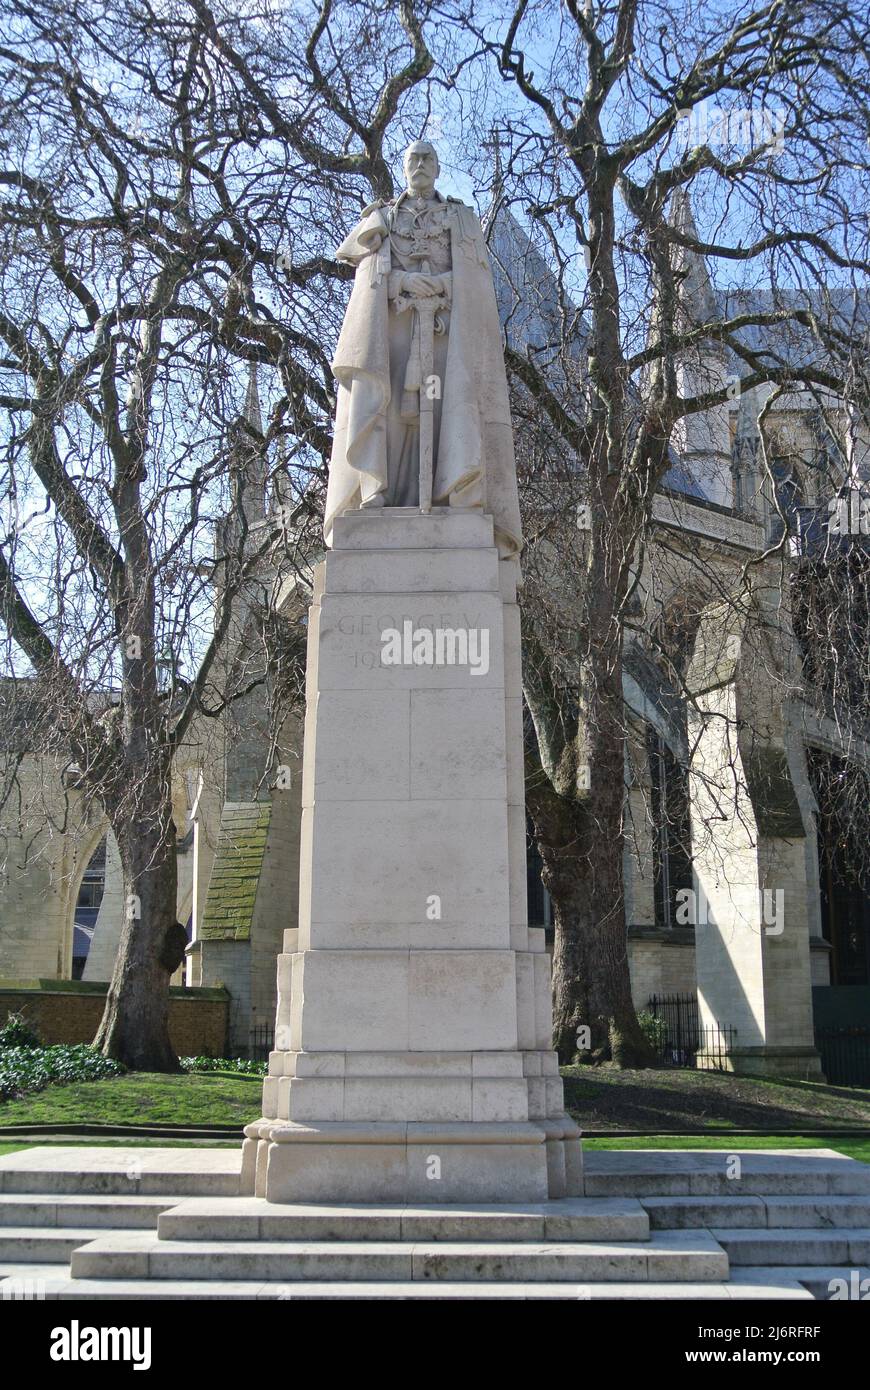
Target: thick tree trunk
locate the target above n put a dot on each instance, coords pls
(135, 1025)
(591, 983)
(605, 810)
(578, 813)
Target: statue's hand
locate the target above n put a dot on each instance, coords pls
(421, 286)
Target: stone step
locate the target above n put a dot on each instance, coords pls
(822, 1281)
(131, 1171)
(28, 1285)
(823, 1212)
(669, 1256)
(795, 1246)
(711, 1173)
(251, 1218)
(757, 1213)
(72, 1209)
(29, 1244)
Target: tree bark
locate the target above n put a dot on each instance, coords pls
(582, 872)
(576, 798)
(135, 1025)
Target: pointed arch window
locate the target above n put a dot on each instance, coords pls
(789, 494)
(672, 837)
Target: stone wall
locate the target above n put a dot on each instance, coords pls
(661, 962)
(250, 896)
(47, 837)
(198, 1019)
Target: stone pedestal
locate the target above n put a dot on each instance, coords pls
(413, 1057)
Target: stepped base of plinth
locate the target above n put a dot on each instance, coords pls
(387, 1162)
(136, 1223)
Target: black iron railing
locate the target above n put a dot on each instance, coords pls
(261, 1041)
(715, 1046)
(680, 1040)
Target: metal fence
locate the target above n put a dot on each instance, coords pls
(261, 1041)
(715, 1046)
(680, 1041)
(678, 1037)
(845, 1054)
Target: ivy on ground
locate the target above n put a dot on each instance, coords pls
(24, 1070)
(245, 1066)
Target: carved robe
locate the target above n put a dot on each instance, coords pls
(376, 441)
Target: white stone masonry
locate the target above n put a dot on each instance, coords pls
(413, 1057)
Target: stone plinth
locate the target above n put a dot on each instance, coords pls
(413, 1057)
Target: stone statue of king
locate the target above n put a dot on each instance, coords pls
(423, 418)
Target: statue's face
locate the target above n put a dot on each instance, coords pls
(421, 169)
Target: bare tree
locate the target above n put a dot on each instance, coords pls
(171, 180)
(174, 183)
(617, 118)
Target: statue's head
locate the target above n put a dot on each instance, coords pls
(421, 168)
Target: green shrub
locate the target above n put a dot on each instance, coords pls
(245, 1066)
(654, 1029)
(16, 1032)
(24, 1070)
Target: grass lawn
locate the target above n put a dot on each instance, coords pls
(605, 1099)
(601, 1099)
(142, 1098)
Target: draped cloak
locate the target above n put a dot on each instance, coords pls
(475, 462)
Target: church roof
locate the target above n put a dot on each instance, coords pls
(790, 343)
(527, 291)
(533, 315)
